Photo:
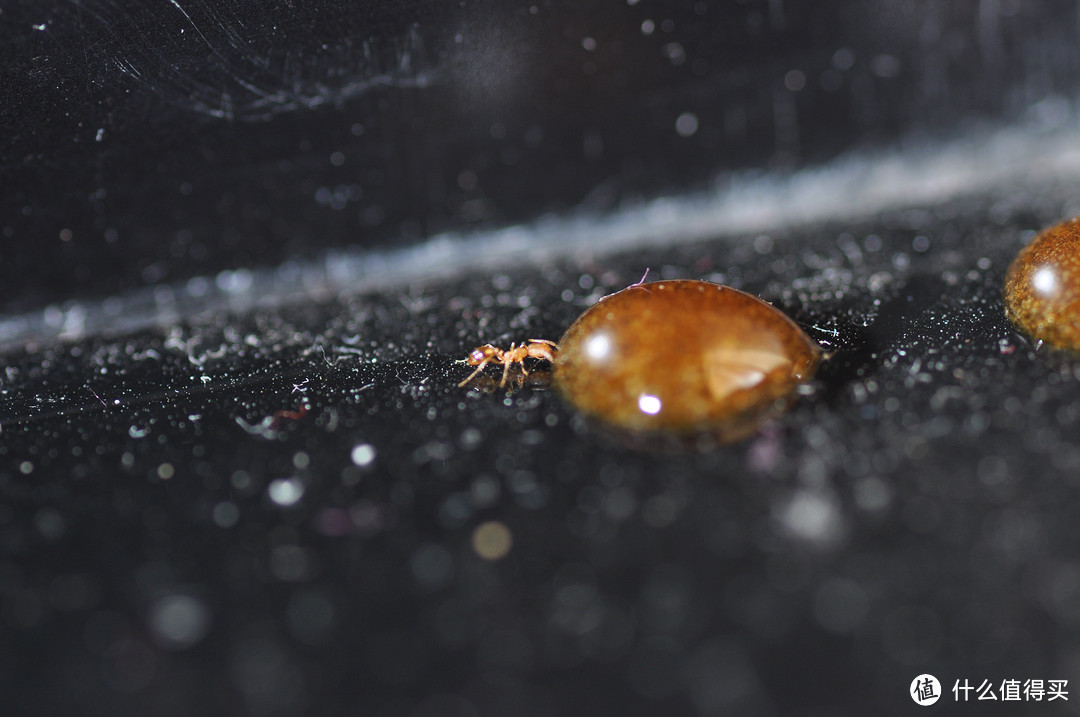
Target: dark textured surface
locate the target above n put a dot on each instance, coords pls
(154, 141)
(914, 514)
(271, 511)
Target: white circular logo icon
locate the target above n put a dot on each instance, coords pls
(925, 690)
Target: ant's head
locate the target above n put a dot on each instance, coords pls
(480, 354)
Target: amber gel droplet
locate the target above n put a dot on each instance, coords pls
(683, 356)
(1042, 287)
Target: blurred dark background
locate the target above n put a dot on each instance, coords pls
(153, 141)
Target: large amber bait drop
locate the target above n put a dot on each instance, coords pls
(1042, 287)
(683, 356)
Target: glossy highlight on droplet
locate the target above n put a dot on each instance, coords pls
(1042, 287)
(683, 356)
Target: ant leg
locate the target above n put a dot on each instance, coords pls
(474, 373)
(506, 371)
(507, 358)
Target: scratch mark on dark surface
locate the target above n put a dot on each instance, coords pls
(196, 27)
(254, 70)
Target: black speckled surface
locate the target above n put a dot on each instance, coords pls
(212, 505)
(273, 513)
(151, 142)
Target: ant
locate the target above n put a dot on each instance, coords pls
(481, 356)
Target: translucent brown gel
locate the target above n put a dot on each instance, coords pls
(1042, 287)
(682, 356)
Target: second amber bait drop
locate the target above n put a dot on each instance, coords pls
(1042, 287)
(679, 356)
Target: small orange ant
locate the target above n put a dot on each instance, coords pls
(481, 356)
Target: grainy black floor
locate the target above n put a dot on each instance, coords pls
(277, 512)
